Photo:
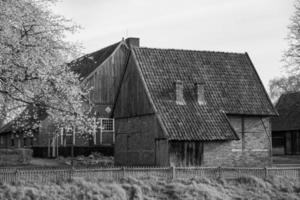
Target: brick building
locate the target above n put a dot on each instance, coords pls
(286, 127)
(187, 107)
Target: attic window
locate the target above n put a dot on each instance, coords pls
(178, 89)
(200, 93)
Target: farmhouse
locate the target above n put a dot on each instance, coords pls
(182, 107)
(177, 107)
(286, 127)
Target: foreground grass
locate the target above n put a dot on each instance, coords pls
(152, 188)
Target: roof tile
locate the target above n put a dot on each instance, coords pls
(89, 62)
(288, 107)
(231, 86)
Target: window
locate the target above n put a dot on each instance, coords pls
(91, 139)
(105, 131)
(67, 136)
(107, 124)
(12, 141)
(25, 141)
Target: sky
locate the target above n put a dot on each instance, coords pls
(258, 27)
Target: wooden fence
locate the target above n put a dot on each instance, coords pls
(44, 175)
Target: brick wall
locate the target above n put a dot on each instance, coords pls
(253, 148)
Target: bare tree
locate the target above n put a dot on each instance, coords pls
(290, 81)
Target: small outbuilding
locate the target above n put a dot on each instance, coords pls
(286, 127)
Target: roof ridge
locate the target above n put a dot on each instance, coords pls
(87, 54)
(192, 50)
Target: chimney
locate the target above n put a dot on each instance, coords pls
(178, 87)
(200, 90)
(132, 42)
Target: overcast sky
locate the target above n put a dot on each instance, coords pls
(258, 27)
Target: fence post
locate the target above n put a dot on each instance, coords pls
(71, 173)
(17, 175)
(266, 172)
(123, 172)
(173, 170)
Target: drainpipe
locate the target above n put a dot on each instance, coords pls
(269, 137)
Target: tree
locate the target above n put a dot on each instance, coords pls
(33, 63)
(290, 81)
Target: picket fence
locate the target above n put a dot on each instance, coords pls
(44, 175)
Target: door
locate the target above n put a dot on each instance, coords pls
(161, 152)
(121, 149)
(292, 143)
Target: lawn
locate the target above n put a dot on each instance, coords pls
(151, 188)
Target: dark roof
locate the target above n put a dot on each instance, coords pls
(288, 107)
(26, 121)
(89, 62)
(232, 86)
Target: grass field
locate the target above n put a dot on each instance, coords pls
(151, 188)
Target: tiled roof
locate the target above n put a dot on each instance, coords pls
(288, 107)
(27, 120)
(88, 63)
(232, 86)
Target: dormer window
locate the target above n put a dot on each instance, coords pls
(178, 87)
(200, 93)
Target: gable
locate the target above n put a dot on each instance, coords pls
(105, 79)
(86, 64)
(288, 107)
(132, 98)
